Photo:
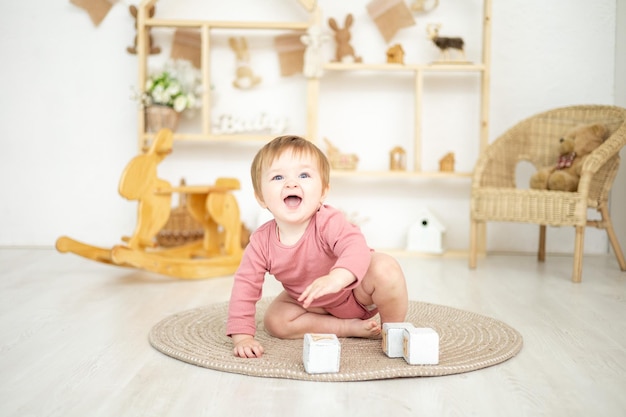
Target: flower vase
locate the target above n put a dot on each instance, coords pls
(159, 117)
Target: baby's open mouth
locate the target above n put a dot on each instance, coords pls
(292, 201)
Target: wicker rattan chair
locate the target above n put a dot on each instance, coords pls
(495, 196)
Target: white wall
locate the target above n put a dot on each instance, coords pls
(70, 127)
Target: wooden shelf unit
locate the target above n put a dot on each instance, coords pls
(418, 72)
(144, 23)
(337, 173)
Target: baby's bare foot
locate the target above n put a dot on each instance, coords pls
(363, 328)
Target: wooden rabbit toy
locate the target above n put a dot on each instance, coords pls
(345, 51)
(213, 206)
(245, 76)
(152, 50)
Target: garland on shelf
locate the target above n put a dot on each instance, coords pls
(97, 9)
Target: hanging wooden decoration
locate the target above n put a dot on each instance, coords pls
(390, 16)
(186, 45)
(290, 53)
(97, 9)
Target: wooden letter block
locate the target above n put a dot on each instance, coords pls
(421, 346)
(321, 353)
(393, 338)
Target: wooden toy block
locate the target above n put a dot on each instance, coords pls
(393, 336)
(321, 353)
(421, 346)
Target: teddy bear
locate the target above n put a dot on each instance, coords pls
(574, 147)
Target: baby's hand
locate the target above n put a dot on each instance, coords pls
(246, 346)
(332, 283)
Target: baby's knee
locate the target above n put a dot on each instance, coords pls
(274, 326)
(386, 267)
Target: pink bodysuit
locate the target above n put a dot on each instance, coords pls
(330, 241)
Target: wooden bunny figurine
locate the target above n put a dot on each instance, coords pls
(151, 48)
(245, 77)
(342, 39)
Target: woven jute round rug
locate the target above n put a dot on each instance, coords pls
(467, 342)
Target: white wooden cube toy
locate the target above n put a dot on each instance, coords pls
(393, 336)
(421, 346)
(321, 353)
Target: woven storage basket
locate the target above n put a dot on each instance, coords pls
(181, 227)
(159, 117)
(343, 161)
(340, 160)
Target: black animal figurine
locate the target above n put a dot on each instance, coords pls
(443, 43)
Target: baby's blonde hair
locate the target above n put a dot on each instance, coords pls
(276, 147)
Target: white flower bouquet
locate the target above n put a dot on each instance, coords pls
(177, 85)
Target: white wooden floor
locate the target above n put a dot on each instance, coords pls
(73, 342)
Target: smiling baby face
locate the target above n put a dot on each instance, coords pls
(290, 178)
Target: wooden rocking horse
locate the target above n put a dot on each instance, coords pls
(214, 207)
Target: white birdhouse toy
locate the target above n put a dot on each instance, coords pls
(426, 234)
